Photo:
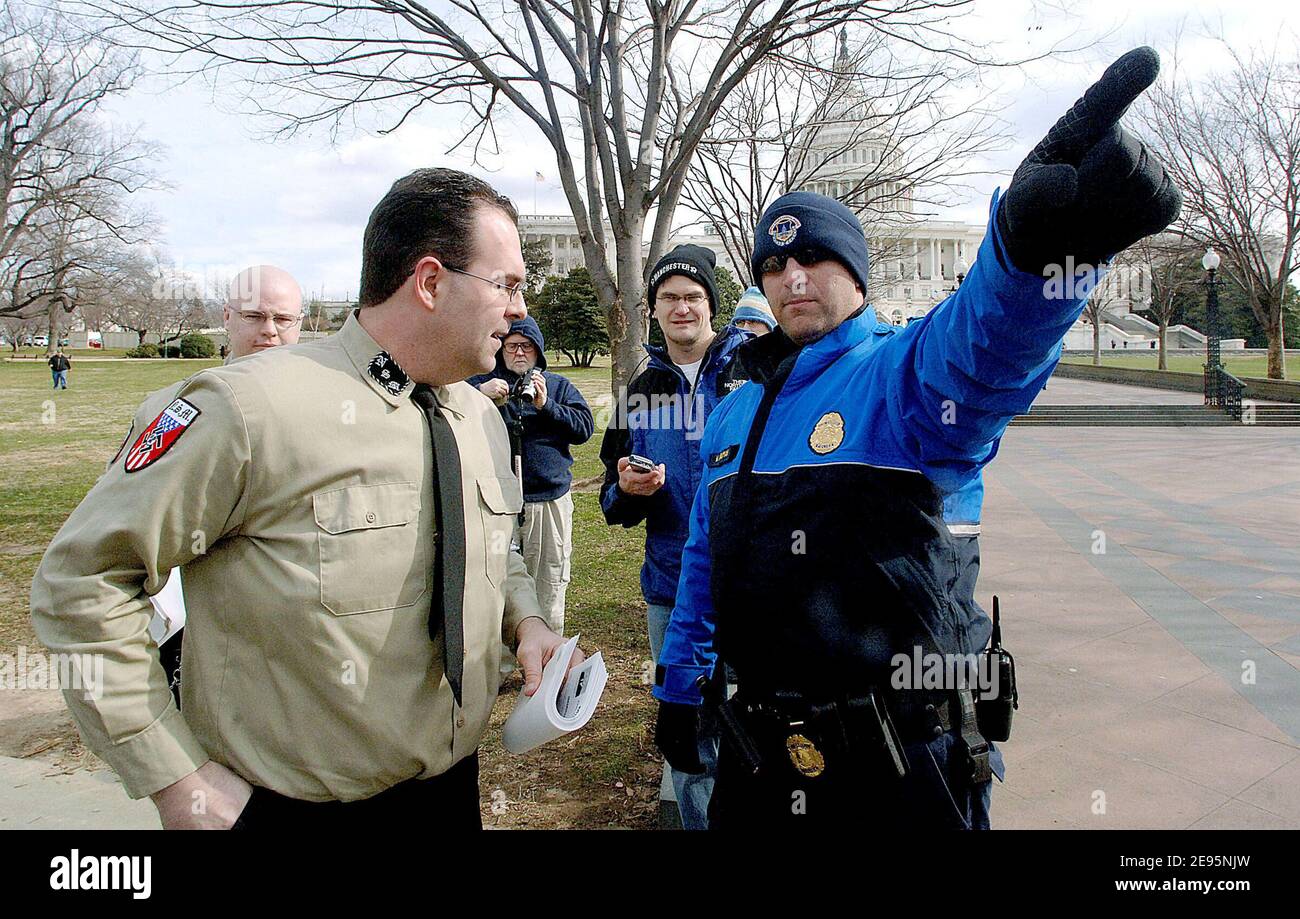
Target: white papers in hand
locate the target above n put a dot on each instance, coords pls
(554, 710)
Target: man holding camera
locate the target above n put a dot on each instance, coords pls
(546, 415)
(819, 550)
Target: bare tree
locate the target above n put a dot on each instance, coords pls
(1231, 143)
(16, 328)
(622, 90)
(75, 239)
(1117, 290)
(1170, 263)
(134, 291)
(63, 177)
(887, 137)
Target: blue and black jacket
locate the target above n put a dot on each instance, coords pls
(662, 418)
(818, 547)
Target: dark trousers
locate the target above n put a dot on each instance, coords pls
(444, 802)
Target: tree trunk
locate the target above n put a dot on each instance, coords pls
(1164, 331)
(52, 330)
(1096, 343)
(624, 317)
(1276, 352)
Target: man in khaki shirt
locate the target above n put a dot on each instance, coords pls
(297, 488)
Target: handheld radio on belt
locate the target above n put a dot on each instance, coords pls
(994, 714)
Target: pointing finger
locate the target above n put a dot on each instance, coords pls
(1099, 109)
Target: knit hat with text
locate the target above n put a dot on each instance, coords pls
(694, 262)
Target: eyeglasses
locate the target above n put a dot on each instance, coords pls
(518, 347)
(674, 299)
(513, 294)
(282, 322)
(807, 256)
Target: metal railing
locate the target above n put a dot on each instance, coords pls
(1223, 390)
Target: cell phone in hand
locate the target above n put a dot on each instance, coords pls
(640, 463)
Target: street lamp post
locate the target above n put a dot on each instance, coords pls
(1213, 359)
(961, 269)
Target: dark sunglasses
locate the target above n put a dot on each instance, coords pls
(807, 256)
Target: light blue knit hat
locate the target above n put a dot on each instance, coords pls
(752, 306)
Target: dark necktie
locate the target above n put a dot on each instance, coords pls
(449, 567)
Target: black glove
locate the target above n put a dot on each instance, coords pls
(1090, 189)
(677, 735)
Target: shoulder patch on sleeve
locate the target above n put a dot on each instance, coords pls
(161, 434)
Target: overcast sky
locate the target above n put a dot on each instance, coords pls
(237, 197)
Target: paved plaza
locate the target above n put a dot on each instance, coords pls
(1150, 587)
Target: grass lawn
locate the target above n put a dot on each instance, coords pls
(1247, 365)
(53, 446)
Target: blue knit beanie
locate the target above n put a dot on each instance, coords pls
(752, 306)
(800, 219)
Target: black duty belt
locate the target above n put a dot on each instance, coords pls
(871, 728)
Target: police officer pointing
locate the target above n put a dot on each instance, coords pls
(344, 512)
(818, 550)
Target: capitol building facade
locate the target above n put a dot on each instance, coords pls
(909, 276)
(916, 259)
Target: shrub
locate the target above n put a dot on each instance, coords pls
(145, 350)
(195, 344)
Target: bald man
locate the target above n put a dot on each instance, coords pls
(263, 310)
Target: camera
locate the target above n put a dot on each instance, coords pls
(524, 388)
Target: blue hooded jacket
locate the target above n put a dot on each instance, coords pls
(818, 541)
(662, 418)
(563, 421)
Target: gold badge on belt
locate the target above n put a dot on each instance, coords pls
(804, 756)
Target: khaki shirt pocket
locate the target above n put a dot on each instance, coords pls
(372, 553)
(500, 501)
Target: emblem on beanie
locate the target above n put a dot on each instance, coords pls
(783, 229)
(827, 434)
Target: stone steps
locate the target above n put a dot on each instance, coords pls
(1153, 415)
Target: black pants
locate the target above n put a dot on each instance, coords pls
(444, 802)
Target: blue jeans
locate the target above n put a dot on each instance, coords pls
(693, 791)
(60, 379)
